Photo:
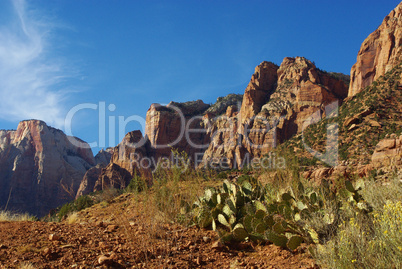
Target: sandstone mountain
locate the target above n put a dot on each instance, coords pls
(370, 118)
(168, 127)
(379, 53)
(275, 105)
(40, 168)
(278, 103)
(138, 154)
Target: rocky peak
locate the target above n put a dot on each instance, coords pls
(301, 84)
(223, 103)
(259, 89)
(40, 167)
(276, 103)
(189, 108)
(379, 53)
(104, 156)
(129, 157)
(296, 70)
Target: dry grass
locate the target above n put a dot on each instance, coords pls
(26, 265)
(72, 218)
(154, 212)
(369, 240)
(9, 216)
(160, 208)
(28, 248)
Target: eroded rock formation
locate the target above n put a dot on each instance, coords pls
(262, 84)
(130, 157)
(40, 168)
(388, 152)
(379, 53)
(176, 126)
(104, 156)
(276, 104)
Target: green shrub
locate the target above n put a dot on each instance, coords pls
(137, 184)
(79, 204)
(222, 175)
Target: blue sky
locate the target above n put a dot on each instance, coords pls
(58, 55)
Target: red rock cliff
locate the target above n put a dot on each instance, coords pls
(172, 127)
(40, 168)
(273, 109)
(260, 87)
(379, 53)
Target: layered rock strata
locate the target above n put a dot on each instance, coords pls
(40, 167)
(277, 104)
(379, 53)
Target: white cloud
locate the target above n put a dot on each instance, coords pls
(30, 74)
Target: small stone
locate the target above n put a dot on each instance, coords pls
(102, 245)
(103, 260)
(54, 237)
(47, 251)
(217, 245)
(111, 228)
(113, 256)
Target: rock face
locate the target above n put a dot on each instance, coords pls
(276, 104)
(388, 152)
(302, 91)
(128, 158)
(258, 91)
(229, 133)
(89, 180)
(177, 126)
(40, 168)
(379, 53)
(104, 156)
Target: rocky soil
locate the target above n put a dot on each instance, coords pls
(120, 234)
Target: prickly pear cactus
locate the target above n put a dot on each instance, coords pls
(239, 212)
